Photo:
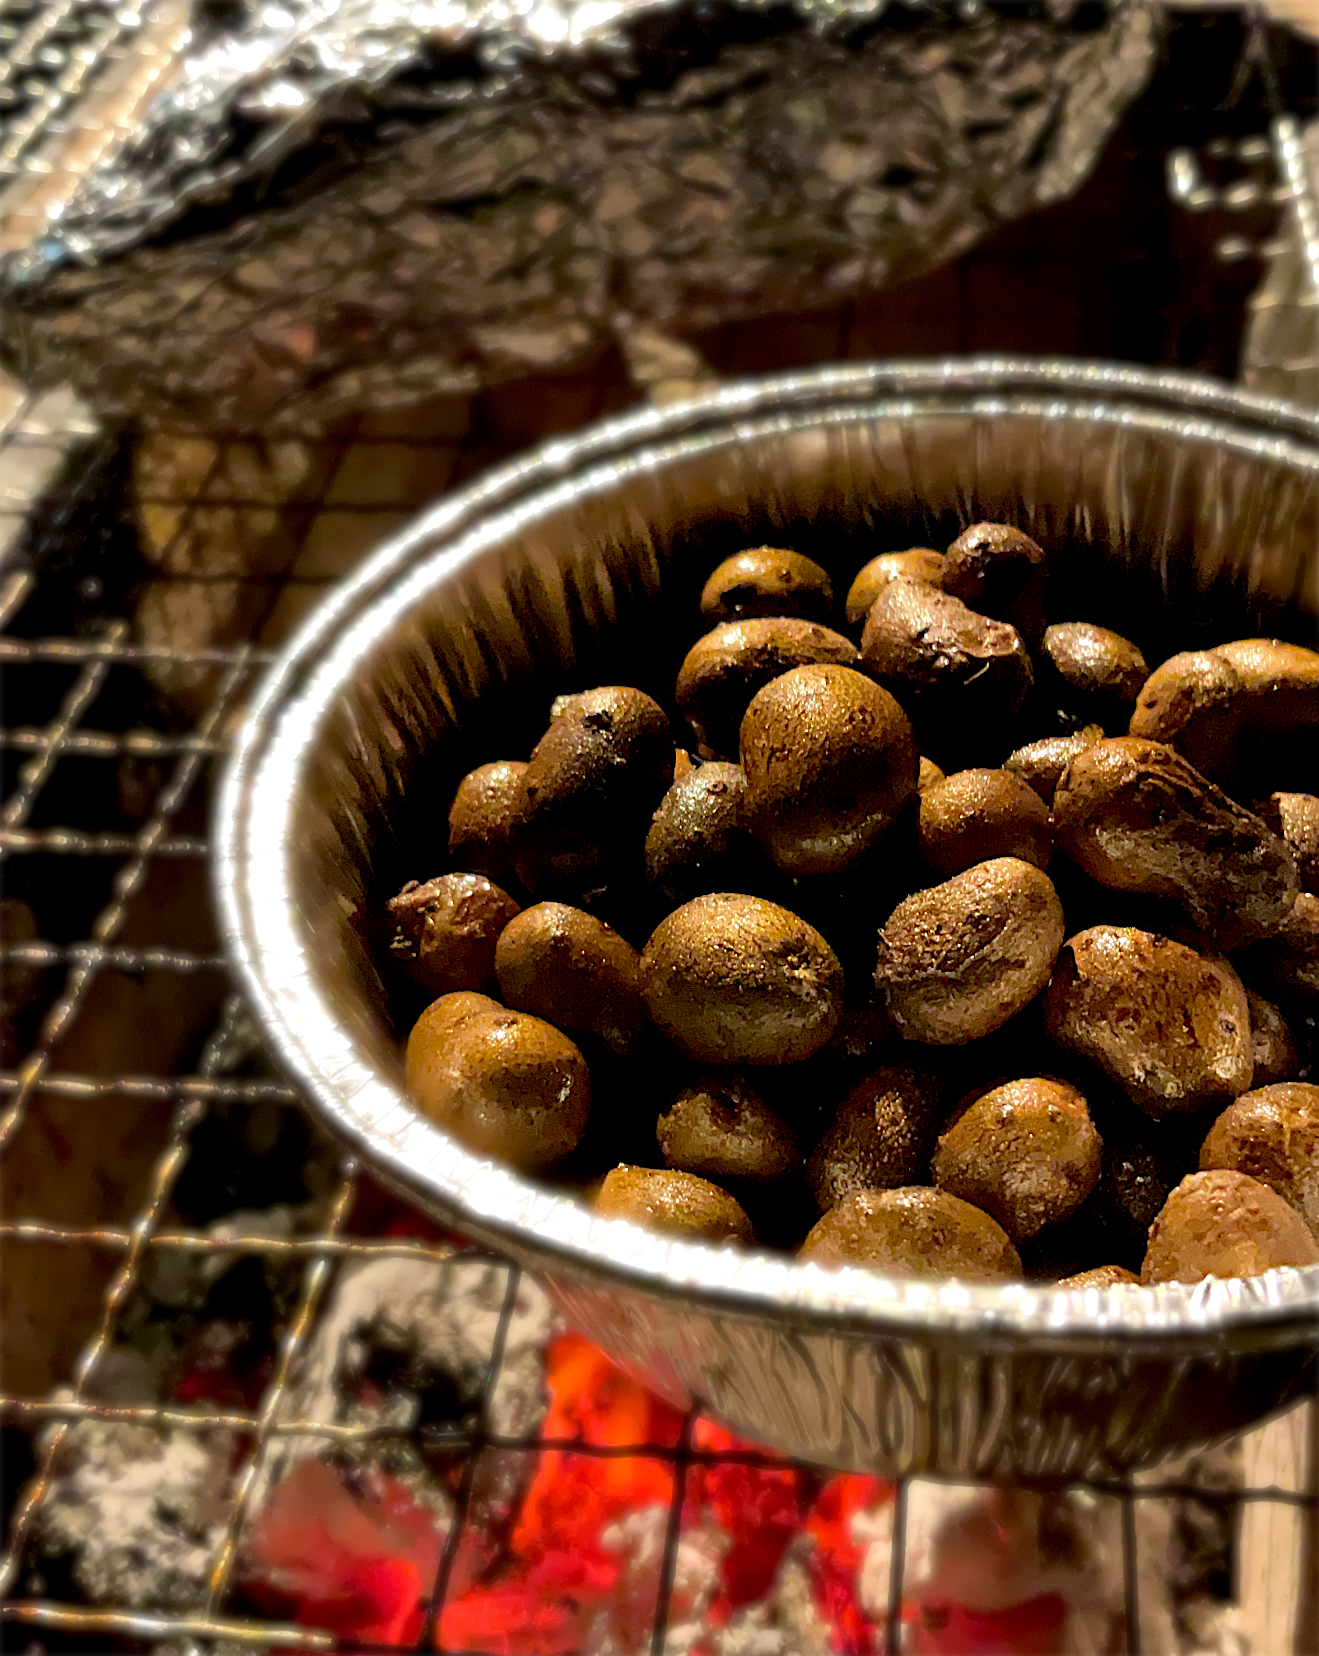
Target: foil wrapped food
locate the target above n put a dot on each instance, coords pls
(362, 204)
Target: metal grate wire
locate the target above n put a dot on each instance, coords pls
(259, 546)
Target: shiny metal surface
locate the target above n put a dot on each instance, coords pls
(329, 208)
(561, 569)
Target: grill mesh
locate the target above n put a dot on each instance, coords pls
(99, 933)
(148, 582)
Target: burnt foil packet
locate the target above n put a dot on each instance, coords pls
(366, 204)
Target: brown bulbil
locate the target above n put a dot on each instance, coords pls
(829, 761)
(1294, 817)
(450, 1010)
(1092, 674)
(929, 775)
(1286, 965)
(1026, 1152)
(481, 819)
(724, 670)
(1224, 1224)
(915, 1231)
(445, 931)
(732, 979)
(1214, 706)
(565, 966)
(1102, 1276)
(1274, 1052)
(920, 563)
(767, 581)
(588, 792)
(1041, 764)
(1135, 1180)
(1171, 1027)
(679, 1204)
(1136, 816)
(700, 838)
(975, 815)
(949, 666)
(1272, 1133)
(957, 961)
(880, 1138)
(503, 1083)
(722, 1128)
(998, 570)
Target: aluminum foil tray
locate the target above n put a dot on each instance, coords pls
(330, 207)
(565, 569)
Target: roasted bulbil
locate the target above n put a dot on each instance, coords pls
(1026, 1152)
(767, 581)
(960, 959)
(915, 1231)
(952, 668)
(1090, 675)
(723, 1128)
(1224, 1224)
(1041, 764)
(1272, 1133)
(1169, 1026)
(919, 563)
(481, 820)
(700, 838)
(567, 966)
(725, 669)
(1138, 817)
(1220, 708)
(679, 1204)
(998, 569)
(731, 979)
(814, 973)
(503, 1083)
(593, 780)
(444, 932)
(976, 815)
(881, 1135)
(829, 761)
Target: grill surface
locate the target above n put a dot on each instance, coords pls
(83, 693)
(140, 600)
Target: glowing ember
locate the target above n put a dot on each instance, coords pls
(565, 1576)
(359, 1563)
(1034, 1628)
(580, 1569)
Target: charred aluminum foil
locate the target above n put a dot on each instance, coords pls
(364, 204)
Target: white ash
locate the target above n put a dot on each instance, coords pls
(786, 1621)
(638, 1540)
(695, 1583)
(430, 1327)
(180, 1279)
(1202, 1532)
(1216, 1629)
(135, 1514)
(624, 1625)
(991, 1548)
(443, 1315)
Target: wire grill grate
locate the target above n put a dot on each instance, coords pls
(73, 963)
(133, 663)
